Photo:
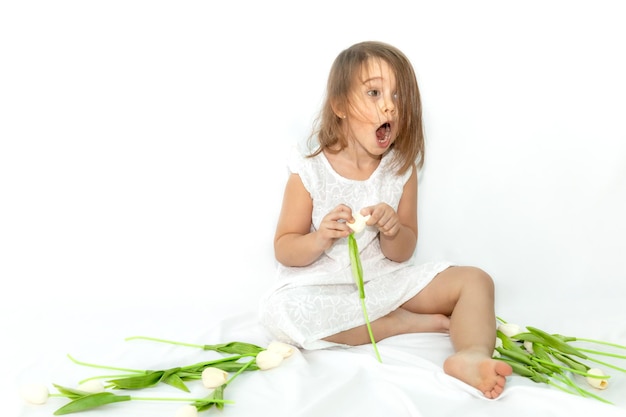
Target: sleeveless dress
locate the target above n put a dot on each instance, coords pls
(310, 303)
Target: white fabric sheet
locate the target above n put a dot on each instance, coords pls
(143, 157)
(333, 382)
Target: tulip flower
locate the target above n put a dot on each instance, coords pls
(187, 411)
(600, 383)
(528, 345)
(213, 377)
(359, 222)
(551, 358)
(35, 393)
(92, 386)
(214, 374)
(268, 359)
(498, 344)
(510, 329)
(284, 349)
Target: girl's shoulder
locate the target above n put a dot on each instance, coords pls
(299, 160)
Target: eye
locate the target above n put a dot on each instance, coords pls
(395, 96)
(373, 93)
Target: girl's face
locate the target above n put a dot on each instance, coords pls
(372, 115)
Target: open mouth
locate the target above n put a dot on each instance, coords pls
(383, 133)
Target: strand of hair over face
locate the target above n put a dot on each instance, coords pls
(346, 69)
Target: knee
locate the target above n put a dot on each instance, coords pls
(479, 279)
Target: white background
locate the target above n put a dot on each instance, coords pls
(142, 150)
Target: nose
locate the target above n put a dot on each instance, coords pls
(388, 104)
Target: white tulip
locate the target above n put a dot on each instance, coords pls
(498, 342)
(187, 411)
(528, 345)
(284, 349)
(214, 377)
(359, 222)
(510, 329)
(268, 359)
(597, 382)
(495, 354)
(92, 386)
(35, 393)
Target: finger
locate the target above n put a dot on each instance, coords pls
(342, 208)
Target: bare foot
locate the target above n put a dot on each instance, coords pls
(482, 372)
(420, 323)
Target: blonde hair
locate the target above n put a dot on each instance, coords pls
(409, 144)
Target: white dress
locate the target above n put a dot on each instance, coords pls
(310, 303)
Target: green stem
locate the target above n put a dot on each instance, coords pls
(103, 377)
(76, 361)
(357, 272)
(171, 342)
(599, 352)
(580, 391)
(369, 330)
(212, 362)
(236, 374)
(606, 364)
(567, 368)
(561, 388)
(600, 342)
(179, 399)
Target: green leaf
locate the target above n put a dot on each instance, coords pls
(357, 273)
(235, 366)
(200, 366)
(355, 261)
(529, 337)
(540, 353)
(571, 362)
(518, 356)
(175, 380)
(519, 368)
(509, 344)
(239, 348)
(91, 401)
(556, 343)
(138, 382)
(71, 392)
(210, 401)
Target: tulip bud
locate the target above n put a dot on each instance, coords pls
(92, 386)
(268, 359)
(498, 342)
(597, 382)
(283, 349)
(495, 354)
(187, 411)
(35, 393)
(528, 345)
(359, 222)
(510, 329)
(214, 377)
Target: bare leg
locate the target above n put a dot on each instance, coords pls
(467, 294)
(397, 322)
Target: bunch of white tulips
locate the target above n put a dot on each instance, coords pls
(552, 359)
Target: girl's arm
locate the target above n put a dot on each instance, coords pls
(398, 230)
(294, 243)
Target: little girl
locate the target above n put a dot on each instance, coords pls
(369, 147)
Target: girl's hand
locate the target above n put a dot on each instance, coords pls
(384, 217)
(333, 226)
